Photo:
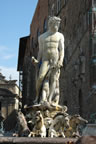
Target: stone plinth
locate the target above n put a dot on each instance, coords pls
(24, 140)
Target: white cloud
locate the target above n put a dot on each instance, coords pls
(7, 57)
(5, 53)
(10, 71)
(3, 48)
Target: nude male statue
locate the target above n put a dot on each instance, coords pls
(51, 55)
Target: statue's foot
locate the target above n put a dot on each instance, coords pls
(43, 101)
(35, 102)
(50, 101)
(54, 103)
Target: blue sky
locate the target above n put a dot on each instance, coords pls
(15, 19)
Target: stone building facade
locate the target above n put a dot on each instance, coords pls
(9, 96)
(78, 75)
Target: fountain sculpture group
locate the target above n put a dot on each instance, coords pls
(46, 118)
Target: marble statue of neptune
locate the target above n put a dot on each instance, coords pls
(50, 59)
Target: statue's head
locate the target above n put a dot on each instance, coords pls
(54, 23)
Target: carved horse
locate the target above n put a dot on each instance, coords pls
(60, 122)
(75, 121)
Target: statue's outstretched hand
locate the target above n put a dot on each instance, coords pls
(34, 61)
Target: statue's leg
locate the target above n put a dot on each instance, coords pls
(45, 90)
(54, 82)
(57, 94)
(56, 91)
(42, 73)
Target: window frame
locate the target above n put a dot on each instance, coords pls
(58, 5)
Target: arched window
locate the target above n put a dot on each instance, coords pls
(58, 5)
(45, 26)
